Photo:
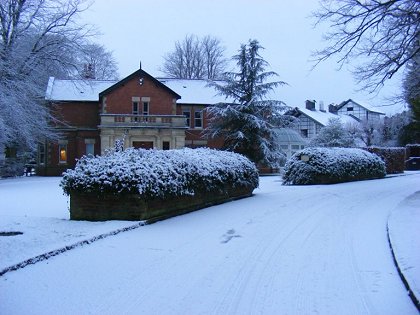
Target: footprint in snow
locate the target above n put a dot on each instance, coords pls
(228, 236)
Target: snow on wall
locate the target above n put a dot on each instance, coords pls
(159, 173)
(332, 165)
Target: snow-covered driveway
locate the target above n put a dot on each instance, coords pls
(286, 250)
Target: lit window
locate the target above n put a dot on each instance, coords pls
(198, 119)
(187, 114)
(62, 153)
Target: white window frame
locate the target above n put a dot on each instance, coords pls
(198, 119)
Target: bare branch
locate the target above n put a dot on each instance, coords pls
(382, 36)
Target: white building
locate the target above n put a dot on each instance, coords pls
(312, 119)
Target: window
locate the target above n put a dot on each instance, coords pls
(165, 145)
(349, 109)
(41, 153)
(135, 108)
(62, 153)
(90, 149)
(187, 114)
(198, 119)
(145, 108)
(304, 133)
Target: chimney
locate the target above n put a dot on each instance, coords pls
(310, 105)
(321, 106)
(332, 109)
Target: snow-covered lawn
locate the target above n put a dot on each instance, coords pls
(286, 250)
(37, 207)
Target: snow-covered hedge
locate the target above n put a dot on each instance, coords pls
(394, 158)
(159, 173)
(332, 165)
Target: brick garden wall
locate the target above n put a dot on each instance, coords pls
(102, 207)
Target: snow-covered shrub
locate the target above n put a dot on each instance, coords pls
(160, 173)
(332, 165)
(394, 158)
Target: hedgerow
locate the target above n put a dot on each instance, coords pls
(160, 173)
(332, 165)
(394, 158)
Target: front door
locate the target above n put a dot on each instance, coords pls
(143, 145)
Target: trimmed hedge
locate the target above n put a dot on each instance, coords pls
(160, 174)
(332, 165)
(394, 158)
(412, 150)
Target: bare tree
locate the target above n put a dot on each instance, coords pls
(95, 62)
(214, 60)
(37, 38)
(195, 58)
(382, 34)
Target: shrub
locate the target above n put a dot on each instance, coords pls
(332, 165)
(158, 173)
(394, 158)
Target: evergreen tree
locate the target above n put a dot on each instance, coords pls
(247, 121)
(333, 135)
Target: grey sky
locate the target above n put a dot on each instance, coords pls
(146, 30)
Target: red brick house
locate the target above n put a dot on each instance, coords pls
(140, 110)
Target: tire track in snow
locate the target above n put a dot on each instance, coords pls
(263, 258)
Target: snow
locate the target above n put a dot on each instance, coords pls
(320, 249)
(403, 225)
(319, 165)
(76, 90)
(324, 117)
(37, 207)
(194, 92)
(160, 173)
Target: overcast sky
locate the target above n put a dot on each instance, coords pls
(139, 30)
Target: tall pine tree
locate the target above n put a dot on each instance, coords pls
(247, 122)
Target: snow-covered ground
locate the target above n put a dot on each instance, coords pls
(404, 235)
(37, 207)
(286, 250)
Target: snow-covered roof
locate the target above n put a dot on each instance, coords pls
(193, 91)
(76, 90)
(362, 104)
(323, 117)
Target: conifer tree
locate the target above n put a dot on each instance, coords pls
(247, 121)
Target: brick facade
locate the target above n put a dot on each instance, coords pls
(95, 123)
